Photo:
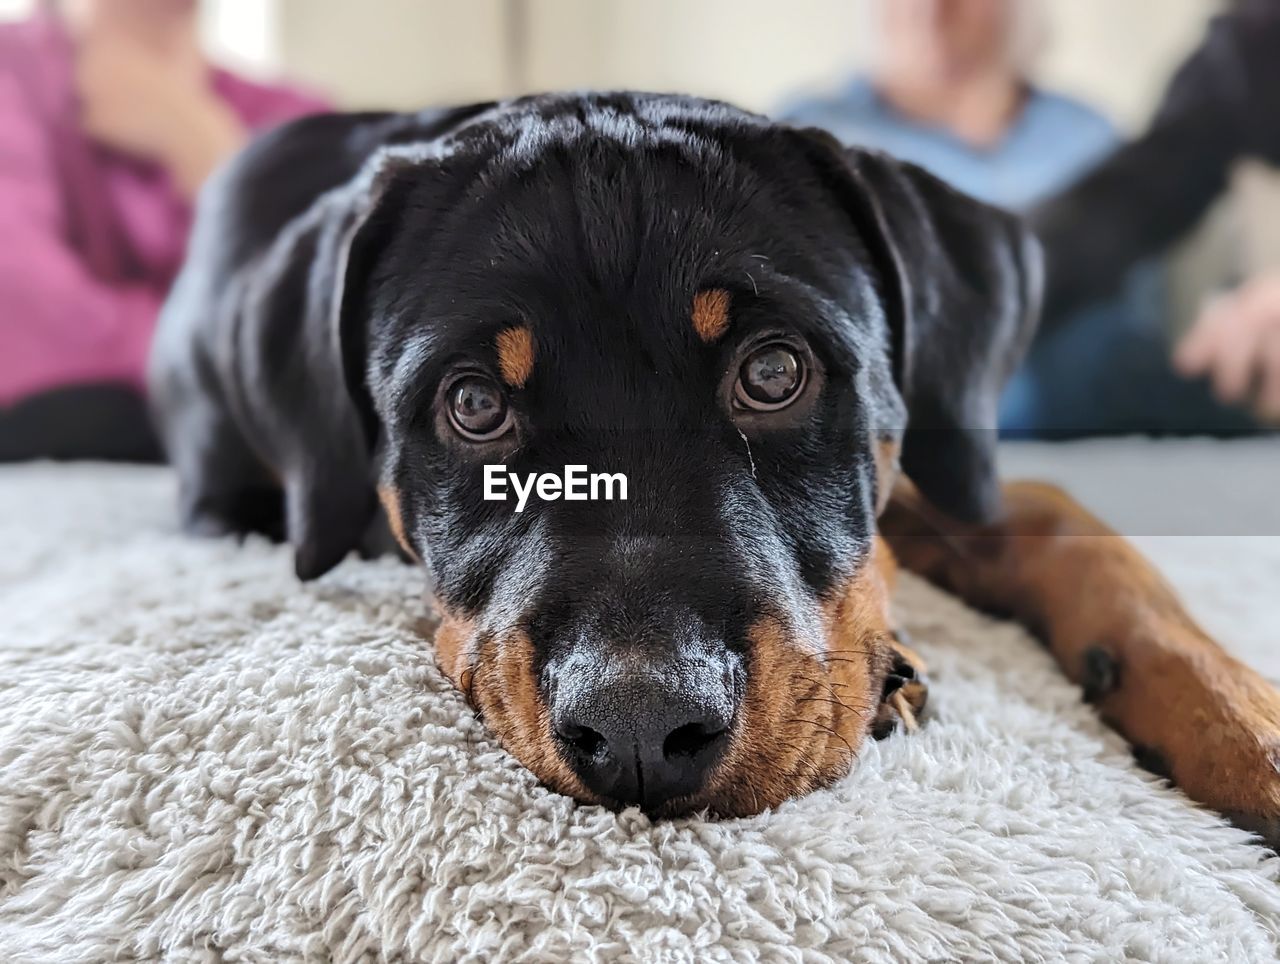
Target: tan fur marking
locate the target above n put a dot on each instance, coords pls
(496, 675)
(515, 355)
(453, 637)
(1083, 588)
(390, 500)
(711, 314)
(505, 690)
(805, 714)
(859, 641)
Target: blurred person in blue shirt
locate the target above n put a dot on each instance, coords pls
(950, 91)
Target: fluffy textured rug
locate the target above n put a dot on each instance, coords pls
(201, 759)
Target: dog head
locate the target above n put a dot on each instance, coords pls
(753, 325)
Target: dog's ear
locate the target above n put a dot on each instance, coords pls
(961, 282)
(303, 346)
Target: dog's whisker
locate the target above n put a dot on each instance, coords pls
(823, 699)
(803, 763)
(856, 710)
(821, 726)
(852, 649)
(831, 684)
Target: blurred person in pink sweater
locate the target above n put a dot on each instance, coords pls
(110, 120)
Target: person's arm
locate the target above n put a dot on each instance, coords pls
(58, 324)
(1224, 103)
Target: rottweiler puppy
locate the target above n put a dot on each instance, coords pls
(792, 351)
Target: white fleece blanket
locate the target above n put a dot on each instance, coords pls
(201, 759)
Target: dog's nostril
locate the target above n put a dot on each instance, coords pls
(585, 740)
(689, 740)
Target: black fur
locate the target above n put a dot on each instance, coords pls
(333, 283)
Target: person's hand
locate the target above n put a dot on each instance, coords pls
(1236, 343)
(154, 106)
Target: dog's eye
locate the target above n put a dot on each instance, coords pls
(771, 378)
(478, 408)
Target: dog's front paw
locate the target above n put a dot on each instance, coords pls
(906, 691)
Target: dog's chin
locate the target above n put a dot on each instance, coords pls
(734, 801)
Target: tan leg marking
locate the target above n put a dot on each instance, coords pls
(1118, 629)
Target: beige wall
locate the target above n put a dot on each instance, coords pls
(1120, 53)
(752, 52)
(404, 53)
(396, 53)
(1116, 53)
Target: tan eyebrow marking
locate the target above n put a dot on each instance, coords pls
(711, 314)
(515, 355)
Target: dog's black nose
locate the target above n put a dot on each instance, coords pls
(645, 731)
